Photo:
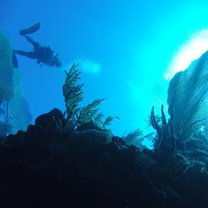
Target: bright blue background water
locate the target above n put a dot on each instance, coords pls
(124, 48)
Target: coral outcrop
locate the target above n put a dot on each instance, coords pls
(72, 160)
(53, 166)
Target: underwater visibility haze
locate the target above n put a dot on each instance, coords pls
(103, 103)
(126, 50)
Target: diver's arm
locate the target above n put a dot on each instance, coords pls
(29, 54)
(19, 52)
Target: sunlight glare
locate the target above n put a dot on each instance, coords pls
(188, 52)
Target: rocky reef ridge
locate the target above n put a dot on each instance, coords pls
(52, 166)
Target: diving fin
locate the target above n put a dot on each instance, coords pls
(14, 60)
(30, 30)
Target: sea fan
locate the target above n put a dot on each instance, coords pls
(14, 109)
(188, 103)
(188, 93)
(6, 69)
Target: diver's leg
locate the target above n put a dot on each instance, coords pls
(29, 39)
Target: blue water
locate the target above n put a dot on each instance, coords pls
(124, 48)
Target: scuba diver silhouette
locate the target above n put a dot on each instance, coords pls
(43, 54)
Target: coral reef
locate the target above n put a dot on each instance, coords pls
(73, 160)
(51, 166)
(14, 109)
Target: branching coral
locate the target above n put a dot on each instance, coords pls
(73, 93)
(89, 113)
(165, 136)
(108, 121)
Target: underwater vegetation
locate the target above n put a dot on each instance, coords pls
(72, 159)
(73, 93)
(14, 109)
(185, 133)
(7, 69)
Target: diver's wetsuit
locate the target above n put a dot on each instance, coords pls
(41, 53)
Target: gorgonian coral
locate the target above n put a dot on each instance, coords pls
(73, 94)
